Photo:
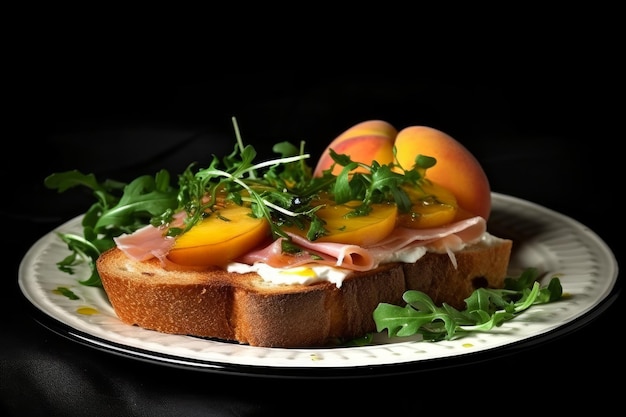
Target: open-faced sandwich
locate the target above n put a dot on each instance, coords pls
(280, 254)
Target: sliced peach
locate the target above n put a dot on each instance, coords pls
(355, 230)
(220, 238)
(432, 206)
(364, 142)
(457, 169)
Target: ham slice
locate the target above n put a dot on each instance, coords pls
(150, 241)
(447, 239)
(468, 231)
(145, 243)
(322, 253)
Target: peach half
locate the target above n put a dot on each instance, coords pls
(364, 142)
(456, 170)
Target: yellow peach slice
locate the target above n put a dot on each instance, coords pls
(355, 230)
(220, 238)
(432, 206)
(456, 170)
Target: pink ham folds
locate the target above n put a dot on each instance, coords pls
(448, 239)
(145, 243)
(322, 253)
(150, 242)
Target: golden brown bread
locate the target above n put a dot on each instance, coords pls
(243, 308)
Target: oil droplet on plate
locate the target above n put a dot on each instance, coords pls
(87, 311)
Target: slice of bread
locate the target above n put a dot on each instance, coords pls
(243, 308)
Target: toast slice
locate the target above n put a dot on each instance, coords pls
(243, 308)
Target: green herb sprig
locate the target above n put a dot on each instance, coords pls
(119, 208)
(485, 309)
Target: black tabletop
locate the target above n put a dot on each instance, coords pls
(543, 141)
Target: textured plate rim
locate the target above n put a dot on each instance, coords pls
(54, 320)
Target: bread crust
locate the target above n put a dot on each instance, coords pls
(245, 309)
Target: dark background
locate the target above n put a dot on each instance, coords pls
(544, 133)
(118, 126)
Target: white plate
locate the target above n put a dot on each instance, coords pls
(547, 240)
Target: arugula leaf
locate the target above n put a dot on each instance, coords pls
(65, 180)
(81, 250)
(485, 309)
(119, 208)
(144, 197)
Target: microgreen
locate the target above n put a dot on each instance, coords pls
(485, 309)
